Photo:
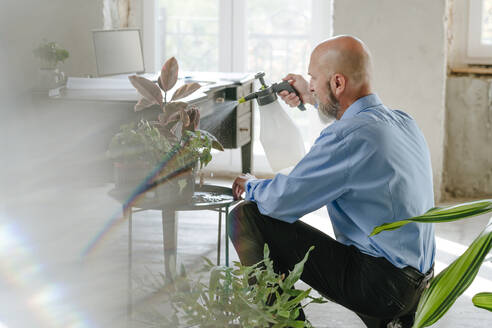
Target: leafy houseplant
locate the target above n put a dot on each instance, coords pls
(50, 54)
(162, 153)
(230, 299)
(450, 283)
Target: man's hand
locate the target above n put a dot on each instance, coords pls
(239, 183)
(302, 87)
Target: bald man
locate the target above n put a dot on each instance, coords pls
(370, 166)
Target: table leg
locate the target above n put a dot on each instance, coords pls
(170, 242)
(127, 215)
(247, 157)
(218, 236)
(226, 237)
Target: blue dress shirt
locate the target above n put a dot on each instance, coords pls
(368, 168)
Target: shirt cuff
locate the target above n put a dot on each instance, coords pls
(248, 189)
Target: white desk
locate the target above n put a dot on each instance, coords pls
(92, 117)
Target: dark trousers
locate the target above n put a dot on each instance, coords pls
(372, 287)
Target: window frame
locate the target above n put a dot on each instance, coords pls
(232, 33)
(477, 53)
(150, 36)
(232, 56)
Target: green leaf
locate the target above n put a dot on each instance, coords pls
(297, 324)
(283, 313)
(208, 261)
(450, 283)
(295, 274)
(293, 302)
(266, 251)
(318, 300)
(182, 184)
(213, 281)
(443, 214)
(215, 143)
(483, 300)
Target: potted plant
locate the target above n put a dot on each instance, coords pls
(50, 54)
(239, 296)
(162, 156)
(445, 288)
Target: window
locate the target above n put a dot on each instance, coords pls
(480, 32)
(189, 31)
(274, 36)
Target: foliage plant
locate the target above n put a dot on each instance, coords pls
(483, 300)
(50, 54)
(450, 283)
(175, 129)
(239, 296)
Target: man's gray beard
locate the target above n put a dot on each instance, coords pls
(328, 112)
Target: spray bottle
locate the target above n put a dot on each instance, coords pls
(280, 137)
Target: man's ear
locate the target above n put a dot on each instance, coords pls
(339, 84)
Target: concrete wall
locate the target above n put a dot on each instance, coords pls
(468, 154)
(468, 165)
(407, 40)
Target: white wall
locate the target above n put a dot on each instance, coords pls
(457, 33)
(407, 41)
(24, 24)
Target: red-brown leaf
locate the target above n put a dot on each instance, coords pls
(143, 103)
(147, 89)
(169, 74)
(177, 129)
(185, 90)
(162, 119)
(194, 115)
(172, 118)
(185, 118)
(173, 107)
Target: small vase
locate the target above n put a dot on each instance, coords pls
(50, 78)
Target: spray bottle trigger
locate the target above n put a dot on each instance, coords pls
(285, 85)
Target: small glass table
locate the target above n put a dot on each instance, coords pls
(205, 197)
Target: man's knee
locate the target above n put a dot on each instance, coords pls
(239, 217)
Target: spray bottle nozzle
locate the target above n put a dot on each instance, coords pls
(251, 96)
(268, 94)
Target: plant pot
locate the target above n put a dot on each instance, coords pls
(128, 176)
(176, 191)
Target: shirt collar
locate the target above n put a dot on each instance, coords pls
(360, 104)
